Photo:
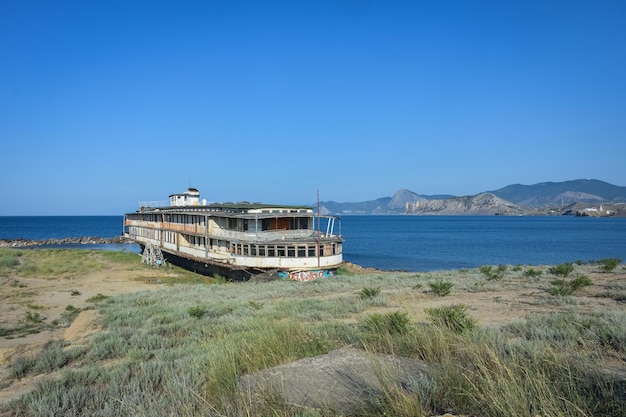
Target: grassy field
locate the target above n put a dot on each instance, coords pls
(503, 340)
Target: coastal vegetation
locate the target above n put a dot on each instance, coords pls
(183, 347)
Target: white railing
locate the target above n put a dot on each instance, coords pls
(153, 204)
(216, 232)
(265, 236)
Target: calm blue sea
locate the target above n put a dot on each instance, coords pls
(427, 243)
(59, 227)
(412, 243)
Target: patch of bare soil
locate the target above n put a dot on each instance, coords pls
(49, 298)
(503, 302)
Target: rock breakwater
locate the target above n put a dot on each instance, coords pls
(83, 240)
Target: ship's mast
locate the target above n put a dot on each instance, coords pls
(319, 246)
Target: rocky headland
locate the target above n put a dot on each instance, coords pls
(482, 204)
(585, 198)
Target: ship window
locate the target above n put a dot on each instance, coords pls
(246, 249)
(321, 250)
(261, 250)
(291, 251)
(301, 251)
(311, 250)
(271, 251)
(253, 250)
(281, 251)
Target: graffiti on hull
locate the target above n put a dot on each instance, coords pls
(304, 276)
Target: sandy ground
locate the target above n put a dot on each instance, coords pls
(495, 307)
(51, 297)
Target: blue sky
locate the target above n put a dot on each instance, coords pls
(106, 103)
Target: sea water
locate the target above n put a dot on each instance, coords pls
(60, 227)
(412, 243)
(427, 243)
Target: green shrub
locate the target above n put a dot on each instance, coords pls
(580, 282)
(609, 264)
(560, 287)
(33, 317)
(197, 312)
(454, 318)
(71, 309)
(390, 323)
(342, 270)
(97, 298)
(8, 260)
(369, 292)
(562, 270)
(440, 287)
(67, 316)
(564, 288)
(491, 273)
(532, 273)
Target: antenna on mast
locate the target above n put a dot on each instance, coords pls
(319, 248)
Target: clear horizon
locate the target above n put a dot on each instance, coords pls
(309, 203)
(105, 104)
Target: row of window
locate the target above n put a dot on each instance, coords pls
(244, 225)
(300, 251)
(244, 249)
(142, 232)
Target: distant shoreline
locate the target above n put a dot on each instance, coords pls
(83, 240)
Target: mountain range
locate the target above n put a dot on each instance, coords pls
(576, 197)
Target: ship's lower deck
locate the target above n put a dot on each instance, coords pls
(241, 273)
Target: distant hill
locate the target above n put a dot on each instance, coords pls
(480, 204)
(379, 206)
(386, 205)
(511, 200)
(562, 193)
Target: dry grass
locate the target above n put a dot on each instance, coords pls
(179, 349)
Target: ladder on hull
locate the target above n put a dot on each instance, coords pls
(152, 255)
